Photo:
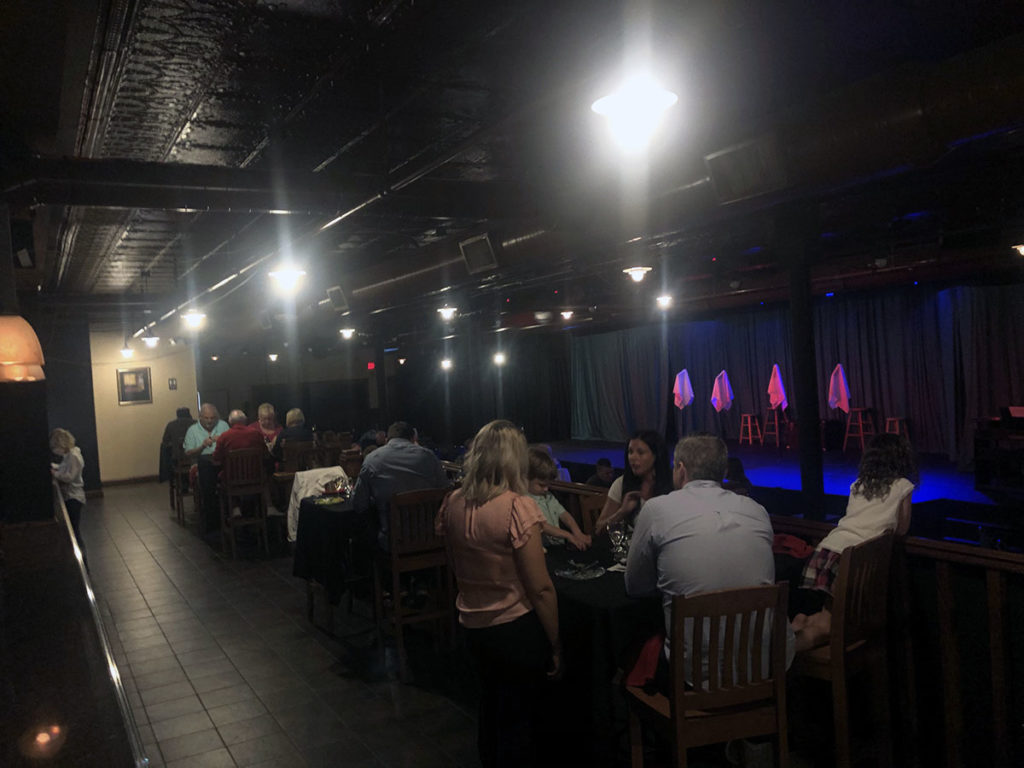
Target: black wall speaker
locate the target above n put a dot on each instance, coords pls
(337, 297)
(478, 254)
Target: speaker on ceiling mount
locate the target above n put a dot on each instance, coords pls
(337, 297)
(266, 321)
(478, 254)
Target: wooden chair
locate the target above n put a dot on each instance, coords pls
(351, 461)
(590, 509)
(731, 699)
(858, 644)
(244, 484)
(414, 547)
(298, 455)
(181, 488)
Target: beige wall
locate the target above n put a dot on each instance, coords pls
(128, 436)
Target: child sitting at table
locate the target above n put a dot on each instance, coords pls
(879, 503)
(542, 471)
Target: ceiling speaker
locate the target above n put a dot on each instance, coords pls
(478, 254)
(337, 297)
(266, 321)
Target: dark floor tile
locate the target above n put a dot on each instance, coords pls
(198, 657)
(218, 758)
(150, 666)
(196, 743)
(179, 726)
(145, 654)
(236, 712)
(165, 710)
(271, 747)
(167, 676)
(219, 680)
(348, 752)
(288, 698)
(245, 730)
(212, 667)
(166, 693)
(230, 695)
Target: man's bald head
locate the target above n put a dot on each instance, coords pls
(237, 417)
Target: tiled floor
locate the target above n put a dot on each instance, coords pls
(223, 669)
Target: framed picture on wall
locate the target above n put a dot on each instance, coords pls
(134, 386)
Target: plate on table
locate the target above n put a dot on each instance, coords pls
(581, 572)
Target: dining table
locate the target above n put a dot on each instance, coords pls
(601, 629)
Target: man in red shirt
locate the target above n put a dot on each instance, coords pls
(238, 437)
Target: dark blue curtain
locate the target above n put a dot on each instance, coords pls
(939, 359)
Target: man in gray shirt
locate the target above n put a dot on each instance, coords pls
(398, 466)
(699, 538)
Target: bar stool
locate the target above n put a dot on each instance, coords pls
(896, 425)
(859, 425)
(771, 427)
(749, 428)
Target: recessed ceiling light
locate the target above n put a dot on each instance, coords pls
(664, 301)
(567, 314)
(446, 364)
(637, 273)
(347, 333)
(499, 358)
(272, 357)
(193, 318)
(447, 313)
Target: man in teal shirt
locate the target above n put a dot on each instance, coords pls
(200, 440)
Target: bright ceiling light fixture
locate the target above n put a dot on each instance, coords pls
(567, 314)
(634, 111)
(499, 358)
(1019, 248)
(347, 333)
(193, 318)
(287, 279)
(272, 357)
(215, 358)
(126, 351)
(401, 361)
(447, 313)
(637, 273)
(664, 301)
(151, 341)
(446, 364)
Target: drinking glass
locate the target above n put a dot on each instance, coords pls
(617, 533)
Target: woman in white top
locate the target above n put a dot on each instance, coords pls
(879, 503)
(648, 474)
(68, 475)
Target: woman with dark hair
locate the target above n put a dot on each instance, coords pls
(648, 474)
(879, 503)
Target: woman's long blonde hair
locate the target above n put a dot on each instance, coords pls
(497, 462)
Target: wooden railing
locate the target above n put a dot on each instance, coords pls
(968, 589)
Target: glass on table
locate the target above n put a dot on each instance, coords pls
(617, 534)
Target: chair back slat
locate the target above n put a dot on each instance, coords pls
(727, 635)
(590, 509)
(245, 470)
(411, 518)
(861, 592)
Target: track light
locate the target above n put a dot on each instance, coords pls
(151, 341)
(126, 351)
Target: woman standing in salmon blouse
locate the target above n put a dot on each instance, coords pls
(506, 599)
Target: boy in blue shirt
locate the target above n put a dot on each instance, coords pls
(542, 472)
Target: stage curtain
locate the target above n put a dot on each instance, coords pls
(618, 383)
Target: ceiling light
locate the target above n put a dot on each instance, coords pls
(637, 273)
(567, 314)
(499, 358)
(634, 111)
(446, 364)
(347, 333)
(272, 357)
(401, 361)
(151, 341)
(215, 358)
(287, 279)
(447, 313)
(126, 351)
(193, 318)
(1018, 248)
(664, 301)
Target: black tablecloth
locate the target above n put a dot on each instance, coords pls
(600, 626)
(321, 543)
